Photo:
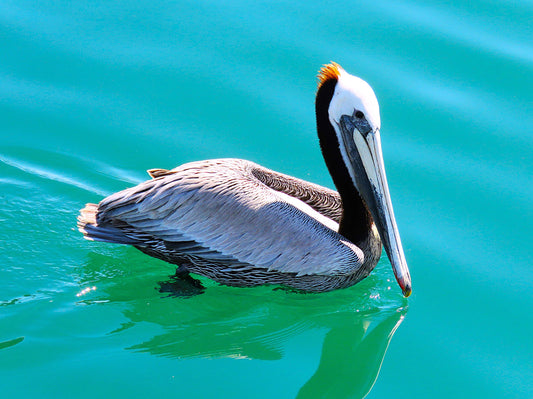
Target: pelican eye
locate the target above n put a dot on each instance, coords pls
(359, 114)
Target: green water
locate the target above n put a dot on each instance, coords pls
(94, 93)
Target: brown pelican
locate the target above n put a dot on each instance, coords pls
(241, 224)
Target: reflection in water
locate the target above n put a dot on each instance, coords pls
(349, 367)
(354, 325)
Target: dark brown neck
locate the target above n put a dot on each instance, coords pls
(356, 220)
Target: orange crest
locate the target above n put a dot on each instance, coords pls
(329, 71)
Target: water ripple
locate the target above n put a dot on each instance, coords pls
(45, 173)
(473, 31)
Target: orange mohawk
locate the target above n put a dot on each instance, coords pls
(329, 71)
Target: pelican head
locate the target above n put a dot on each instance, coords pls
(353, 118)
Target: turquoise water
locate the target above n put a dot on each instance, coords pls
(92, 94)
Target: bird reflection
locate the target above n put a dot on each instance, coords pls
(349, 367)
(354, 325)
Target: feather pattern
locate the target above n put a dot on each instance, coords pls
(250, 219)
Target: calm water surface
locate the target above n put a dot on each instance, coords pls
(92, 94)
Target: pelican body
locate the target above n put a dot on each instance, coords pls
(241, 224)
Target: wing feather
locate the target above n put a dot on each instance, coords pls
(220, 210)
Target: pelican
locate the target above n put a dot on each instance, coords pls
(241, 224)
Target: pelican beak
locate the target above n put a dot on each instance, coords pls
(363, 148)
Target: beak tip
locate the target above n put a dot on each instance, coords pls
(407, 290)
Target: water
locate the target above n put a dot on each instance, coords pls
(93, 94)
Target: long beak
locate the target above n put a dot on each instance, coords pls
(363, 147)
